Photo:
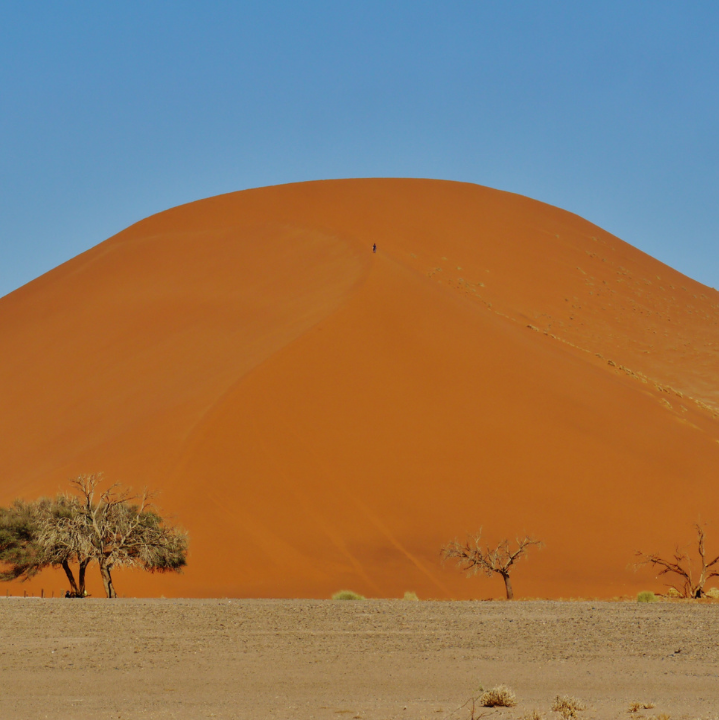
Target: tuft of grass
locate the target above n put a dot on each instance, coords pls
(712, 593)
(347, 595)
(499, 696)
(409, 595)
(533, 715)
(637, 706)
(647, 596)
(567, 706)
(673, 593)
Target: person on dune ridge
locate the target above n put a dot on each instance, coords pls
(374, 247)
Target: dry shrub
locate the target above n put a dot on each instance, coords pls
(567, 706)
(499, 696)
(646, 596)
(637, 706)
(409, 595)
(533, 715)
(712, 593)
(347, 595)
(672, 593)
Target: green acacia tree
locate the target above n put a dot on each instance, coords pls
(27, 548)
(20, 554)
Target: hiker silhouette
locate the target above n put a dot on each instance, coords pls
(374, 247)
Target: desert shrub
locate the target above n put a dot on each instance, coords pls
(637, 706)
(646, 596)
(409, 595)
(347, 595)
(673, 593)
(533, 715)
(499, 696)
(713, 593)
(567, 706)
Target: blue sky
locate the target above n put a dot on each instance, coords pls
(110, 112)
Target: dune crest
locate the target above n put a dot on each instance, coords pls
(318, 416)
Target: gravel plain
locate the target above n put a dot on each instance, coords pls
(371, 659)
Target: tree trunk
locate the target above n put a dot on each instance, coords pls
(111, 585)
(107, 581)
(508, 586)
(81, 576)
(68, 571)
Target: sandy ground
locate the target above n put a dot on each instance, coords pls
(375, 659)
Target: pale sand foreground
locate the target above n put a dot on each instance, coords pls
(372, 659)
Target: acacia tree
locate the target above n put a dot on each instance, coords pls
(691, 583)
(106, 527)
(40, 534)
(120, 534)
(473, 558)
(61, 535)
(20, 554)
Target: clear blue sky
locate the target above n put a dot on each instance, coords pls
(110, 112)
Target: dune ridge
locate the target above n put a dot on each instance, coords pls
(321, 417)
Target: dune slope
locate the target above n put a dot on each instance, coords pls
(319, 417)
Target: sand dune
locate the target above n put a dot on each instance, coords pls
(321, 417)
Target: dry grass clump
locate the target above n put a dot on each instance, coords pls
(347, 595)
(647, 596)
(672, 592)
(567, 706)
(663, 716)
(409, 595)
(712, 593)
(637, 706)
(499, 696)
(533, 715)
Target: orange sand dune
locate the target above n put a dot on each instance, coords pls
(320, 417)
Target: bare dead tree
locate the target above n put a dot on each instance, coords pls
(473, 558)
(122, 533)
(691, 583)
(61, 535)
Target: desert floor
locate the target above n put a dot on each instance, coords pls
(371, 659)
